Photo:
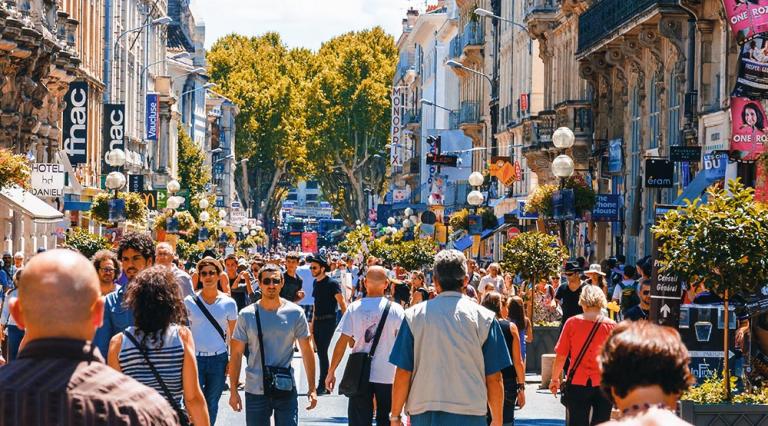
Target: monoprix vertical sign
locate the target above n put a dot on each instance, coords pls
(153, 116)
(76, 122)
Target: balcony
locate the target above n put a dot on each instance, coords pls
(577, 115)
(608, 16)
(469, 120)
(453, 120)
(412, 118)
(455, 47)
(540, 15)
(473, 36)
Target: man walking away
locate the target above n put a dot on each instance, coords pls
(58, 375)
(269, 327)
(626, 292)
(449, 355)
(164, 254)
(136, 252)
(212, 317)
(358, 329)
(328, 296)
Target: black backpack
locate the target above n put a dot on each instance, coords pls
(629, 296)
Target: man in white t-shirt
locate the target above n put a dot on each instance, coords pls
(307, 282)
(211, 343)
(493, 278)
(358, 328)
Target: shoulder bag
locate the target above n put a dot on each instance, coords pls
(357, 374)
(208, 315)
(564, 387)
(278, 381)
(183, 418)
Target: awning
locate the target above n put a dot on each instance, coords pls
(37, 209)
(463, 243)
(694, 189)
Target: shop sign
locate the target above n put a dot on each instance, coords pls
(135, 183)
(153, 116)
(150, 199)
(475, 224)
(607, 208)
(112, 133)
(659, 173)
(615, 158)
(75, 123)
(715, 164)
(399, 93)
(679, 154)
(47, 180)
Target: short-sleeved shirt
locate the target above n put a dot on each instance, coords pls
(184, 281)
(618, 289)
(569, 301)
(307, 281)
(291, 287)
(360, 322)
(325, 292)
(498, 283)
(636, 313)
(572, 340)
(281, 328)
(207, 338)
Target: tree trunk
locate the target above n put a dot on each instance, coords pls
(727, 327)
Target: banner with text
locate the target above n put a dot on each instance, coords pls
(752, 79)
(112, 133)
(75, 123)
(747, 18)
(153, 116)
(749, 133)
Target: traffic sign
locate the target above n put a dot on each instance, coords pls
(513, 233)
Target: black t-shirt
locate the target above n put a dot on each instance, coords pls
(324, 292)
(291, 287)
(402, 293)
(569, 301)
(636, 313)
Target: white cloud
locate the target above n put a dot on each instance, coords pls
(301, 23)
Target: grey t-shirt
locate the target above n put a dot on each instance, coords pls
(185, 282)
(281, 328)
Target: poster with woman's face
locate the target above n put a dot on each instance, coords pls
(748, 134)
(747, 18)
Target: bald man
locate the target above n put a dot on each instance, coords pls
(359, 328)
(59, 374)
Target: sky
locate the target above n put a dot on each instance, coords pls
(301, 23)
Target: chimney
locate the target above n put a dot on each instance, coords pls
(412, 15)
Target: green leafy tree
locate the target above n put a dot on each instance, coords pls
(268, 83)
(534, 255)
(355, 240)
(348, 114)
(723, 242)
(416, 254)
(85, 242)
(193, 175)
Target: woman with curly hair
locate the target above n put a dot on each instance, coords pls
(157, 350)
(644, 371)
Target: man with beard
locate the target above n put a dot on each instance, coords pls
(136, 252)
(328, 296)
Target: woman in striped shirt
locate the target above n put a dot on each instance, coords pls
(158, 311)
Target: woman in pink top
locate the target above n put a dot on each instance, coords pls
(584, 394)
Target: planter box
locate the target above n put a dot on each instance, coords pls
(723, 414)
(544, 340)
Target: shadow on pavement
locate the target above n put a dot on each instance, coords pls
(325, 421)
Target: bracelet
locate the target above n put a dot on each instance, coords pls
(394, 418)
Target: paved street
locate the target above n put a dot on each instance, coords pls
(541, 409)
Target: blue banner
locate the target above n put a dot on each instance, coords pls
(475, 224)
(615, 159)
(607, 208)
(563, 205)
(153, 116)
(714, 165)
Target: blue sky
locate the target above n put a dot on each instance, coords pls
(301, 23)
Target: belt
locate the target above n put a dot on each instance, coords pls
(211, 353)
(325, 317)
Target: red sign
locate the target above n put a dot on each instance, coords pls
(750, 129)
(748, 18)
(309, 242)
(524, 102)
(512, 233)
(518, 172)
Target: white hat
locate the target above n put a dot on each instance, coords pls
(595, 268)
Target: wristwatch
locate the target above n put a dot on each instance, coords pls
(520, 387)
(395, 418)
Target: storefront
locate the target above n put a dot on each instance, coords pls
(27, 222)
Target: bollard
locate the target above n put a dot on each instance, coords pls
(547, 362)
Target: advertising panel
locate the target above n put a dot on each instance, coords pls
(75, 123)
(749, 132)
(112, 133)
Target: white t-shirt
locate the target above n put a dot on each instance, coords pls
(207, 339)
(360, 322)
(307, 281)
(498, 283)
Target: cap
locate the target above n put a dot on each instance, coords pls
(319, 259)
(573, 267)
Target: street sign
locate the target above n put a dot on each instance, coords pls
(162, 199)
(666, 290)
(513, 233)
(47, 180)
(679, 154)
(237, 216)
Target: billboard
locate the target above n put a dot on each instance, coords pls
(112, 133)
(749, 133)
(75, 123)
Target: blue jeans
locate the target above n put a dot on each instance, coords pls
(211, 372)
(259, 409)
(441, 418)
(15, 334)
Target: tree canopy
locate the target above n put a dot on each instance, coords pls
(192, 172)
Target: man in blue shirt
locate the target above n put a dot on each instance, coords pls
(450, 333)
(136, 252)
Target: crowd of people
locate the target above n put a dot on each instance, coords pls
(136, 335)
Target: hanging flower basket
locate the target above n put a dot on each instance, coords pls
(14, 170)
(135, 208)
(541, 200)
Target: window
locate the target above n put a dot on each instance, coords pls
(313, 184)
(311, 197)
(634, 172)
(673, 133)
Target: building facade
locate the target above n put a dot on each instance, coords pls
(221, 115)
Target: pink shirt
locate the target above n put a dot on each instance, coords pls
(572, 339)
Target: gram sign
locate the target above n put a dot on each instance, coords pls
(47, 180)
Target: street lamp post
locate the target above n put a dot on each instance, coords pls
(562, 165)
(165, 20)
(475, 199)
(455, 64)
(115, 180)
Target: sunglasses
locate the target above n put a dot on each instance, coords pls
(314, 268)
(207, 273)
(646, 292)
(271, 281)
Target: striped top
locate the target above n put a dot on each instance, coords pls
(168, 360)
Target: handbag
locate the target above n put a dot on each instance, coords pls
(564, 387)
(357, 374)
(278, 381)
(183, 418)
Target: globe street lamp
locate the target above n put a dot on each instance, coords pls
(204, 217)
(476, 179)
(391, 221)
(203, 204)
(563, 166)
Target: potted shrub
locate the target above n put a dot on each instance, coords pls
(535, 255)
(723, 241)
(541, 199)
(85, 242)
(706, 404)
(460, 219)
(187, 225)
